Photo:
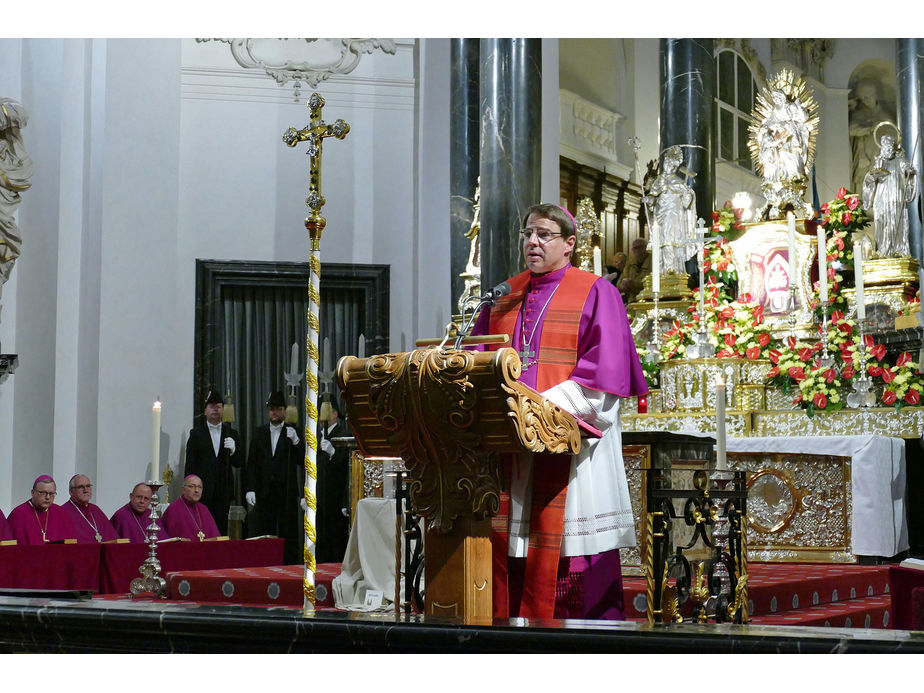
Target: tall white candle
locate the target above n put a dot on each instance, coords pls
(858, 274)
(822, 268)
(793, 265)
(720, 462)
(598, 262)
(655, 260)
(155, 460)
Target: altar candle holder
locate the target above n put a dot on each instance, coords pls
(827, 361)
(654, 344)
(151, 584)
(862, 394)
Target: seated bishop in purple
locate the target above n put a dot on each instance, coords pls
(132, 519)
(187, 517)
(90, 523)
(39, 520)
(5, 533)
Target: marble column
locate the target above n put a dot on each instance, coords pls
(463, 154)
(688, 111)
(511, 117)
(910, 54)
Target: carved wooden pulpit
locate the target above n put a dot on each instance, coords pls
(448, 413)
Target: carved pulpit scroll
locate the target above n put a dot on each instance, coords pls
(448, 413)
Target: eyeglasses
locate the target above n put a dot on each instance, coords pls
(542, 235)
(194, 488)
(47, 494)
(84, 487)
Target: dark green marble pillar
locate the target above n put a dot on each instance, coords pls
(688, 111)
(910, 54)
(511, 116)
(464, 157)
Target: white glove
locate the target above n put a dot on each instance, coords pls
(292, 435)
(327, 446)
(229, 444)
(251, 498)
(303, 504)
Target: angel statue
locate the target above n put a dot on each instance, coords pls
(674, 204)
(888, 188)
(15, 172)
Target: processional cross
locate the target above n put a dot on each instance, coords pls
(314, 134)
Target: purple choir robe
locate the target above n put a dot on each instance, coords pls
(182, 519)
(5, 533)
(130, 525)
(27, 524)
(88, 522)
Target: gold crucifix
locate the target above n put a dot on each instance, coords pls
(314, 133)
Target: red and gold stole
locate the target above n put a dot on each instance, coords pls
(557, 359)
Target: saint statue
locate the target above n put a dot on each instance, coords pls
(784, 140)
(888, 188)
(674, 206)
(15, 172)
(865, 117)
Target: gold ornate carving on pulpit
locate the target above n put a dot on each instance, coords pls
(448, 413)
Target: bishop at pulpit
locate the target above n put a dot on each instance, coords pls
(558, 521)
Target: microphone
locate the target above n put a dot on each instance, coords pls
(497, 292)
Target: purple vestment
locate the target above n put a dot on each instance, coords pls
(130, 525)
(5, 533)
(184, 519)
(88, 522)
(606, 360)
(27, 524)
(588, 586)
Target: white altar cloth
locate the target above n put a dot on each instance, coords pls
(369, 561)
(879, 526)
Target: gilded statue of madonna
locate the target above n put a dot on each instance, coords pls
(784, 126)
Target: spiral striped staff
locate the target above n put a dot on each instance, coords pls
(314, 134)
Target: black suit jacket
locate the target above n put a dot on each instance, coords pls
(273, 477)
(214, 470)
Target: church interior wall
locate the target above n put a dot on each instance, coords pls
(150, 154)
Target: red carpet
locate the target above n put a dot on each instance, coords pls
(779, 593)
(803, 594)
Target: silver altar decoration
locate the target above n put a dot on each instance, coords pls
(888, 189)
(472, 274)
(309, 60)
(151, 583)
(782, 137)
(15, 171)
(674, 205)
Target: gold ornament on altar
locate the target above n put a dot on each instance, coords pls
(588, 226)
(782, 134)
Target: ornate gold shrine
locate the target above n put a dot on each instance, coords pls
(448, 414)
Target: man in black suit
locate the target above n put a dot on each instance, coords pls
(212, 450)
(271, 478)
(333, 485)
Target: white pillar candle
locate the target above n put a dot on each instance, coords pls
(858, 274)
(598, 262)
(720, 462)
(655, 260)
(155, 459)
(822, 268)
(793, 265)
